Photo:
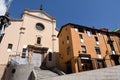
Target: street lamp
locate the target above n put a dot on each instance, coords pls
(4, 22)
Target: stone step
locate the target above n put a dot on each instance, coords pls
(42, 74)
(22, 72)
(110, 73)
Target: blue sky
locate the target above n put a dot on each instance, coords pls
(97, 13)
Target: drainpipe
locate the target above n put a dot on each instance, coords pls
(106, 48)
(21, 32)
(52, 36)
(18, 41)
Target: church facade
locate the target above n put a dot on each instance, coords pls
(31, 39)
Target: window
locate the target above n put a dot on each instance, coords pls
(96, 39)
(83, 49)
(24, 52)
(97, 50)
(81, 37)
(10, 46)
(81, 29)
(93, 32)
(68, 50)
(100, 64)
(67, 39)
(50, 56)
(40, 26)
(108, 36)
(98, 33)
(76, 29)
(112, 48)
(88, 32)
(38, 40)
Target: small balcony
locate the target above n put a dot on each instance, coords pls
(113, 53)
(110, 41)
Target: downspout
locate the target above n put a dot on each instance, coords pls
(21, 32)
(106, 48)
(52, 35)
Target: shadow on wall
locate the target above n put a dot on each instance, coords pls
(51, 60)
(9, 72)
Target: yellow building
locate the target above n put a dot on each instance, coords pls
(31, 39)
(83, 48)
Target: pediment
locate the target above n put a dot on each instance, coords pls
(39, 13)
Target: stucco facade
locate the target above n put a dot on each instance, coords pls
(36, 33)
(82, 48)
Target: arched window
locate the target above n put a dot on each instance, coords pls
(38, 40)
(40, 26)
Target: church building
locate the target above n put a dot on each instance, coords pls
(30, 40)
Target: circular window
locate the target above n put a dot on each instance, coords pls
(40, 26)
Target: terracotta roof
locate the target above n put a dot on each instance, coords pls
(77, 26)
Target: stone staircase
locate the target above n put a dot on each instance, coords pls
(110, 73)
(22, 72)
(43, 74)
(27, 72)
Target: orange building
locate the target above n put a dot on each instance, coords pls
(83, 48)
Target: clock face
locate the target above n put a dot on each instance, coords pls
(40, 26)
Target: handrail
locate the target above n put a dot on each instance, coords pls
(16, 58)
(15, 53)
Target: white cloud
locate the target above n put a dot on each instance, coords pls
(2, 7)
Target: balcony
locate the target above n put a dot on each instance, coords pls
(113, 53)
(110, 41)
